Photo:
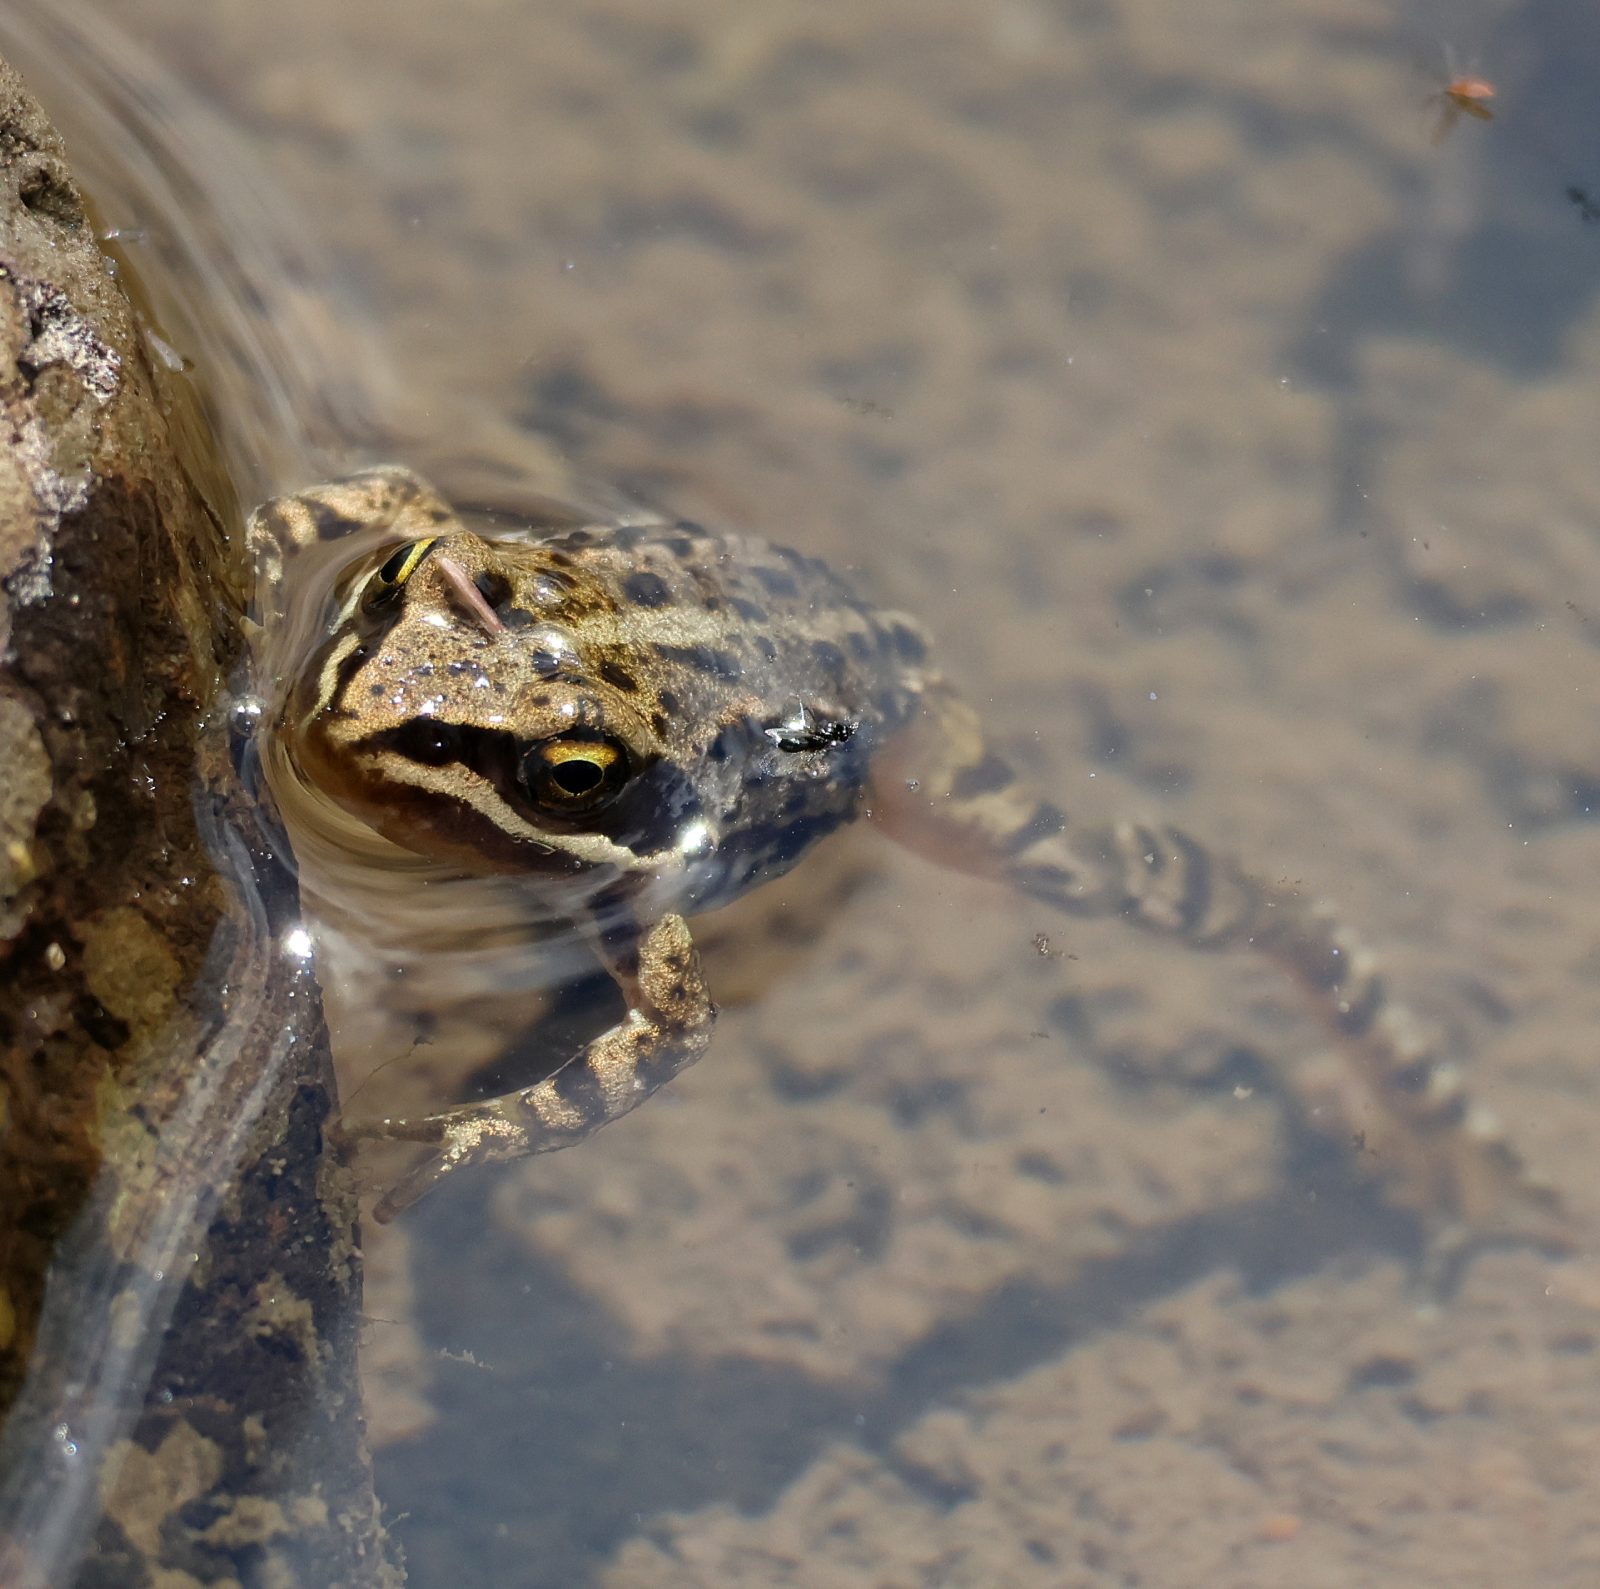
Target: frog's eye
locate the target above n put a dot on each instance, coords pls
(396, 569)
(574, 775)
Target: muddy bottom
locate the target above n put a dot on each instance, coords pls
(1227, 407)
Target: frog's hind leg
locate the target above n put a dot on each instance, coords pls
(944, 793)
(667, 1027)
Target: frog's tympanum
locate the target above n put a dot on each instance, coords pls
(636, 722)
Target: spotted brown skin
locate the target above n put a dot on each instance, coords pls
(689, 652)
(640, 721)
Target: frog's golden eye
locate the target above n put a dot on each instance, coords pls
(396, 569)
(574, 775)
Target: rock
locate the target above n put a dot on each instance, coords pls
(179, 1284)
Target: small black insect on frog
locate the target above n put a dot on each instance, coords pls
(803, 730)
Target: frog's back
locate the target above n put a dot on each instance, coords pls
(750, 618)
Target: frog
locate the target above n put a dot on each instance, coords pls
(628, 723)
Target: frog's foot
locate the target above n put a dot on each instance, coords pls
(473, 1134)
(1492, 1198)
(1526, 1212)
(1445, 1159)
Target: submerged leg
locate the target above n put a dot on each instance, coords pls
(667, 1028)
(947, 796)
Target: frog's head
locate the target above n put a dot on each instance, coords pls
(476, 702)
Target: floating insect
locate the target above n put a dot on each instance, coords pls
(1464, 94)
(803, 730)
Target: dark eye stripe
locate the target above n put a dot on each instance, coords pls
(349, 665)
(493, 754)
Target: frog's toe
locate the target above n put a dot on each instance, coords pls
(1497, 1194)
(429, 1129)
(1452, 1245)
(413, 1186)
(452, 1148)
(1497, 1203)
(472, 1134)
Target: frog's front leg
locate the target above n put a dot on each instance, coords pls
(667, 1028)
(943, 792)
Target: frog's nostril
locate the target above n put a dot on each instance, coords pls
(494, 588)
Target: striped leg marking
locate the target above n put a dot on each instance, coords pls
(667, 1028)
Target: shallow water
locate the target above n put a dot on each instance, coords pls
(1236, 438)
